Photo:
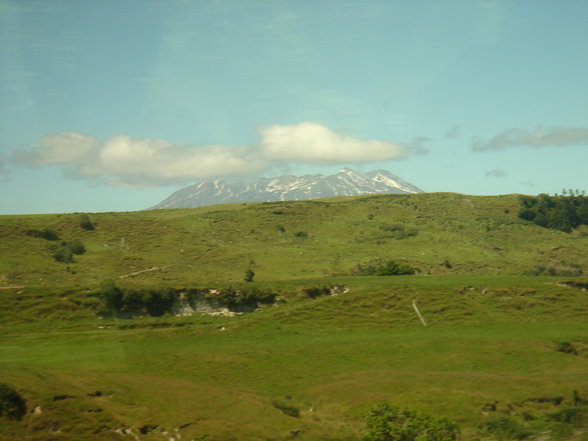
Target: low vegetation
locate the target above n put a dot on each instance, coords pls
(222, 323)
(390, 423)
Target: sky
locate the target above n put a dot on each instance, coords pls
(112, 105)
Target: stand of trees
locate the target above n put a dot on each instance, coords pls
(562, 213)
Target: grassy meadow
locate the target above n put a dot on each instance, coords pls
(502, 344)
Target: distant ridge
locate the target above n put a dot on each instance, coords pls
(287, 188)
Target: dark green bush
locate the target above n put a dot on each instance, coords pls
(249, 275)
(315, 292)
(567, 348)
(391, 423)
(287, 409)
(395, 269)
(111, 295)
(65, 251)
(46, 234)
(12, 405)
(86, 223)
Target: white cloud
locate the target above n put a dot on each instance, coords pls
(133, 162)
(62, 148)
(552, 137)
(313, 143)
(139, 162)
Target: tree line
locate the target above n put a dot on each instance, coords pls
(562, 213)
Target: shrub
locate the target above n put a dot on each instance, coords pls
(249, 275)
(86, 223)
(390, 423)
(301, 234)
(111, 295)
(287, 409)
(65, 251)
(46, 234)
(567, 348)
(315, 292)
(395, 269)
(12, 405)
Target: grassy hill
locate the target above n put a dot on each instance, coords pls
(437, 233)
(504, 353)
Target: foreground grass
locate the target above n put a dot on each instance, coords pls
(490, 350)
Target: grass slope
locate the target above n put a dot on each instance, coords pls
(496, 344)
(474, 234)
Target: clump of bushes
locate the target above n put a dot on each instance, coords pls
(315, 292)
(65, 251)
(390, 423)
(159, 301)
(233, 297)
(390, 268)
(46, 234)
(12, 405)
(155, 302)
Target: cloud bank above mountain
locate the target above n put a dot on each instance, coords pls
(139, 162)
(315, 144)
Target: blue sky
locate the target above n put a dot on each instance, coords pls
(112, 105)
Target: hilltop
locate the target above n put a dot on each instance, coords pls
(439, 233)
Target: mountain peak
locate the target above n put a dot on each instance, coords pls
(347, 182)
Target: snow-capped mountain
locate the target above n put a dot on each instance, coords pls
(287, 188)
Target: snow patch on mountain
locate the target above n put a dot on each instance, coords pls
(287, 187)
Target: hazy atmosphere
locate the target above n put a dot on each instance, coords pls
(111, 106)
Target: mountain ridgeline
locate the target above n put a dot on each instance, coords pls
(287, 188)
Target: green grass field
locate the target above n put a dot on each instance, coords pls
(496, 345)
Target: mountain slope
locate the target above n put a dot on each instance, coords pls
(287, 188)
